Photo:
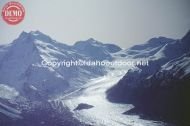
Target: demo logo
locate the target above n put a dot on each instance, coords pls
(13, 13)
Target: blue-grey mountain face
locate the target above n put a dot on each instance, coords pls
(26, 85)
(150, 48)
(162, 89)
(28, 89)
(20, 63)
(95, 49)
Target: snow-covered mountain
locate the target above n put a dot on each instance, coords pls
(20, 63)
(161, 89)
(95, 49)
(26, 84)
(150, 48)
(28, 88)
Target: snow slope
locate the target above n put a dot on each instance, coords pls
(7, 92)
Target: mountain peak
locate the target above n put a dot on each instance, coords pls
(23, 34)
(186, 37)
(91, 40)
(160, 40)
(34, 35)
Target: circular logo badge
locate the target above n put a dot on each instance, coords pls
(13, 13)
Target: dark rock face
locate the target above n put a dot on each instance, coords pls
(161, 90)
(112, 48)
(83, 106)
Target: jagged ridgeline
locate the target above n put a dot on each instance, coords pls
(161, 90)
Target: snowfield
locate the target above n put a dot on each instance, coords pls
(7, 92)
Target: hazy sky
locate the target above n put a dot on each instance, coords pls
(124, 22)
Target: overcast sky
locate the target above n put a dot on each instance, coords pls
(123, 22)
